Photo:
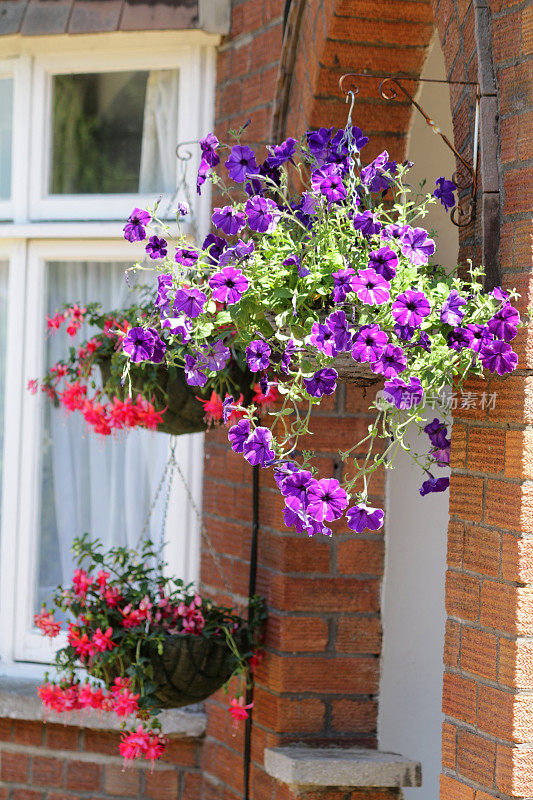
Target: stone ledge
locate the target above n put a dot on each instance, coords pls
(303, 765)
(19, 700)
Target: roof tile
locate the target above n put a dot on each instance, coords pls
(11, 14)
(94, 16)
(150, 15)
(46, 17)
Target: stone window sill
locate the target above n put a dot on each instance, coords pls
(299, 765)
(19, 700)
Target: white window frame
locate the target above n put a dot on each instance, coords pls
(68, 230)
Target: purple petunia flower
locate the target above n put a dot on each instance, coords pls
(135, 227)
(362, 517)
(297, 485)
(215, 246)
(451, 313)
(390, 362)
(479, 336)
(384, 261)
(404, 332)
(257, 449)
(142, 344)
(417, 246)
(317, 142)
(241, 163)
(328, 181)
(179, 326)
(374, 175)
(370, 288)
(310, 203)
(282, 153)
(338, 325)
(442, 456)
(504, 324)
(326, 500)
(182, 209)
(323, 339)
(324, 381)
(228, 285)
(424, 341)
(228, 220)
(444, 192)
(342, 284)
(209, 146)
(498, 356)
(186, 257)
(403, 395)
(227, 408)
(367, 223)
(263, 214)
(193, 371)
(369, 343)
(358, 137)
(437, 432)
(156, 247)
(238, 434)
(164, 285)
(434, 485)
(258, 355)
(500, 294)
(236, 252)
(203, 172)
(190, 302)
(458, 339)
(215, 356)
(393, 232)
(290, 349)
(410, 308)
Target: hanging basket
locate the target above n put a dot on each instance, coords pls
(184, 413)
(190, 668)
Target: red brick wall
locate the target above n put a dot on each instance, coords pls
(56, 762)
(318, 680)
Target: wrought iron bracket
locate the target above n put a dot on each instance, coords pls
(391, 88)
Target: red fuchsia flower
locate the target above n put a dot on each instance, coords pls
(125, 703)
(95, 415)
(140, 742)
(73, 396)
(112, 596)
(59, 370)
(73, 328)
(255, 660)
(238, 710)
(77, 313)
(45, 622)
(32, 386)
(136, 616)
(102, 578)
(89, 697)
(155, 748)
(55, 322)
(81, 582)
(265, 400)
(102, 641)
(148, 417)
(213, 408)
(81, 644)
(123, 414)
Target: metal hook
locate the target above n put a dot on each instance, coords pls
(350, 94)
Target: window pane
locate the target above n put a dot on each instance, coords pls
(102, 487)
(4, 277)
(6, 124)
(114, 133)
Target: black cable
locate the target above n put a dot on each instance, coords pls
(251, 592)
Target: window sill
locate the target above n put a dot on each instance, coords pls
(19, 700)
(299, 765)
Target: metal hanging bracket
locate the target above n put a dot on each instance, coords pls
(391, 88)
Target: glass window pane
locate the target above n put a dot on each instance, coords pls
(114, 132)
(6, 136)
(88, 484)
(4, 278)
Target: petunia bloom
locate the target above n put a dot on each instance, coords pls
(370, 287)
(186, 257)
(410, 308)
(342, 284)
(135, 227)
(504, 324)
(190, 302)
(369, 343)
(416, 246)
(156, 247)
(257, 449)
(324, 381)
(384, 261)
(434, 485)
(263, 214)
(499, 357)
(228, 220)
(403, 395)
(241, 163)
(362, 517)
(209, 145)
(258, 355)
(328, 181)
(326, 500)
(367, 223)
(444, 192)
(390, 362)
(238, 434)
(323, 339)
(451, 312)
(228, 285)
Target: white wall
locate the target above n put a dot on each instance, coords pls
(410, 715)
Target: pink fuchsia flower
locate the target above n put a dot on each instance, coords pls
(32, 386)
(370, 287)
(362, 517)
(326, 500)
(238, 710)
(268, 398)
(155, 748)
(134, 744)
(213, 408)
(80, 642)
(112, 596)
(46, 623)
(102, 641)
(90, 697)
(54, 322)
(228, 285)
(125, 703)
(102, 579)
(410, 308)
(81, 582)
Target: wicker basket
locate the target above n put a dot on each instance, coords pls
(191, 667)
(184, 412)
